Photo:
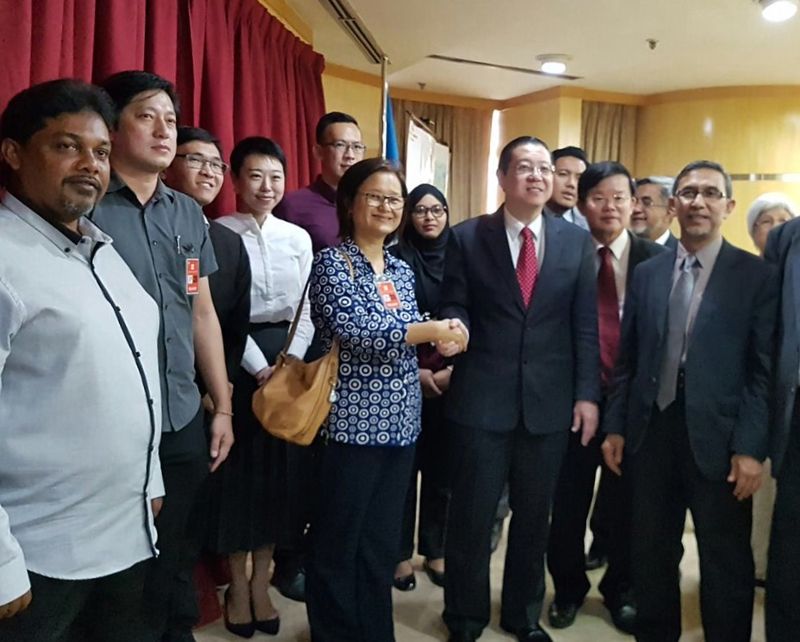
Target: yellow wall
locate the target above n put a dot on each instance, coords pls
(748, 130)
(361, 101)
(557, 121)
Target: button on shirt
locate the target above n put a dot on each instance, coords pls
(378, 395)
(620, 255)
(156, 239)
(79, 402)
(280, 262)
(514, 236)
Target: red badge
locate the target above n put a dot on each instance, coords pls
(192, 276)
(388, 295)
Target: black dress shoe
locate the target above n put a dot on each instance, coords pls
(462, 636)
(529, 633)
(623, 615)
(407, 583)
(293, 588)
(245, 630)
(435, 576)
(561, 616)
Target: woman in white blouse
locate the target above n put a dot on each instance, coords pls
(250, 507)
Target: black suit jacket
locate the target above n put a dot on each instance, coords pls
(672, 242)
(783, 250)
(641, 250)
(523, 365)
(728, 362)
(230, 291)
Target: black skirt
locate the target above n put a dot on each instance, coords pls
(249, 505)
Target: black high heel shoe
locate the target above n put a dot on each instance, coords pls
(407, 583)
(246, 630)
(270, 627)
(437, 577)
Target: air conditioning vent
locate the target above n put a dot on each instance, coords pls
(349, 20)
(521, 70)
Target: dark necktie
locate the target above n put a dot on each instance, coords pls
(607, 314)
(680, 300)
(527, 268)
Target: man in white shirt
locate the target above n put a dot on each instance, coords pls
(80, 477)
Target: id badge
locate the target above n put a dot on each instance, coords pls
(192, 276)
(388, 294)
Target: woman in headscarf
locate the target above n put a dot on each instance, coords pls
(422, 245)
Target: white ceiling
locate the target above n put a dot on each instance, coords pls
(702, 43)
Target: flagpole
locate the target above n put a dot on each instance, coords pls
(384, 101)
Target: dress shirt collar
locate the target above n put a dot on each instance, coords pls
(323, 189)
(251, 225)
(116, 184)
(514, 226)
(618, 246)
(706, 256)
(662, 240)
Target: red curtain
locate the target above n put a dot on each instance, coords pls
(238, 70)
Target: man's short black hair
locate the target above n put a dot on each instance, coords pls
(258, 146)
(124, 86)
(351, 182)
(331, 118)
(597, 172)
(191, 134)
(29, 111)
(705, 164)
(571, 152)
(505, 155)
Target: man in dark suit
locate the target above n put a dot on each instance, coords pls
(198, 171)
(653, 213)
(783, 566)
(605, 197)
(689, 405)
(525, 286)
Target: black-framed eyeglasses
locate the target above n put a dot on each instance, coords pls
(394, 203)
(709, 194)
(197, 161)
(343, 146)
(437, 211)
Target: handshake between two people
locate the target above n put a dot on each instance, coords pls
(452, 337)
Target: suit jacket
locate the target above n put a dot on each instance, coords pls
(641, 250)
(728, 361)
(672, 242)
(783, 250)
(523, 365)
(230, 291)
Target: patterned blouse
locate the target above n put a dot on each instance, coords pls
(378, 396)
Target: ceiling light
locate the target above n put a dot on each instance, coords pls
(778, 10)
(555, 64)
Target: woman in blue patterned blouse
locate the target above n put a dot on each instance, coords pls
(364, 297)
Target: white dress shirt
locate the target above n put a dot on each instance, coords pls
(620, 256)
(80, 404)
(513, 234)
(280, 261)
(707, 257)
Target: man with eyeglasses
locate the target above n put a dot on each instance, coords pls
(652, 212)
(313, 207)
(688, 409)
(570, 163)
(338, 147)
(524, 284)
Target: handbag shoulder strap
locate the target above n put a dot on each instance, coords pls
(296, 320)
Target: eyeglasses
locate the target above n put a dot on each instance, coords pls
(709, 194)
(437, 211)
(648, 202)
(524, 169)
(602, 201)
(196, 161)
(342, 146)
(394, 203)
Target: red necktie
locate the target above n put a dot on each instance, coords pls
(527, 267)
(607, 314)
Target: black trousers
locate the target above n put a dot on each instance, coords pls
(486, 460)
(106, 609)
(184, 466)
(355, 540)
(783, 566)
(666, 481)
(565, 552)
(433, 463)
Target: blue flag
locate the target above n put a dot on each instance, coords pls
(392, 151)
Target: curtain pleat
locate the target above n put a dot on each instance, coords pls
(609, 132)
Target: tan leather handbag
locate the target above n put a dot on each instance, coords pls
(297, 398)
